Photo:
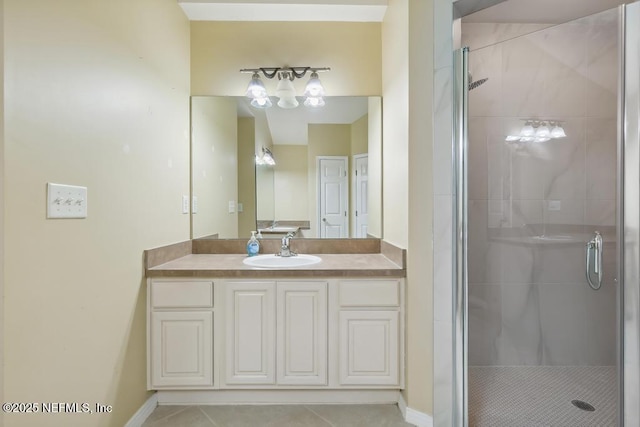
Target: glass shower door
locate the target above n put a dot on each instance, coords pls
(542, 184)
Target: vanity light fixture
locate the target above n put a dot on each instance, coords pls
(314, 91)
(266, 158)
(536, 130)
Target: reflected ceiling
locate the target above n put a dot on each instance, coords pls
(541, 11)
(289, 127)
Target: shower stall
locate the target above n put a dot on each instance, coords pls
(546, 223)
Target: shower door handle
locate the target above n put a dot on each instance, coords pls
(594, 250)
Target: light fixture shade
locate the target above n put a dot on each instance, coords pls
(256, 88)
(558, 132)
(261, 102)
(542, 131)
(287, 93)
(314, 88)
(266, 158)
(527, 130)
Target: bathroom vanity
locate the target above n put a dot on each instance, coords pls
(218, 325)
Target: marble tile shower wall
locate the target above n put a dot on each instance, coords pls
(533, 206)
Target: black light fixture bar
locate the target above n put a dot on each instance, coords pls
(297, 72)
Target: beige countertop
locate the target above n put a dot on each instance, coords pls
(231, 265)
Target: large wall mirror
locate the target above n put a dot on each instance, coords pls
(325, 179)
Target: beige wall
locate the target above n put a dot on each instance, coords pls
(220, 49)
(420, 250)
(359, 135)
(246, 176)
(265, 209)
(407, 134)
(374, 228)
(290, 182)
(324, 140)
(395, 83)
(265, 195)
(97, 94)
(214, 165)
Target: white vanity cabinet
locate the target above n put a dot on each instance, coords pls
(180, 334)
(369, 352)
(276, 333)
(250, 335)
(281, 333)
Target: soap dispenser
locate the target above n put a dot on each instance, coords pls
(253, 246)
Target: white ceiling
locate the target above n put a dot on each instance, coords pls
(541, 11)
(289, 127)
(285, 10)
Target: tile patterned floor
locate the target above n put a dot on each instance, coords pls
(277, 416)
(540, 396)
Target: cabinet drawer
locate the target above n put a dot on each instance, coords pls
(182, 294)
(379, 293)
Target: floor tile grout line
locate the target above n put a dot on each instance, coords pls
(207, 416)
(184, 408)
(308, 407)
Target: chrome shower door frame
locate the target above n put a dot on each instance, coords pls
(460, 237)
(629, 235)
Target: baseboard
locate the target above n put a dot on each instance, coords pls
(282, 397)
(412, 416)
(143, 413)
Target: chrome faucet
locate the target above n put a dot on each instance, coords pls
(285, 250)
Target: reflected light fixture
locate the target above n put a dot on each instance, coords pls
(285, 91)
(535, 130)
(266, 158)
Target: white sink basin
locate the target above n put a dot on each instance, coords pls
(275, 261)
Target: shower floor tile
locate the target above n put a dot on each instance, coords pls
(540, 396)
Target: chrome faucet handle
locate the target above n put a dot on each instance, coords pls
(285, 250)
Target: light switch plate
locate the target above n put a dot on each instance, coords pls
(66, 201)
(554, 205)
(232, 206)
(185, 204)
(194, 204)
(240, 207)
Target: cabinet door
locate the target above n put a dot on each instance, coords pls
(302, 333)
(250, 328)
(369, 348)
(181, 349)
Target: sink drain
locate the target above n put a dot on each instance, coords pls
(583, 405)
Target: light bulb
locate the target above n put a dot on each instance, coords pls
(314, 102)
(542, 131)
(256, 88)
(261, 102)
(527, 130)
(558, 132)
(314, 87)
